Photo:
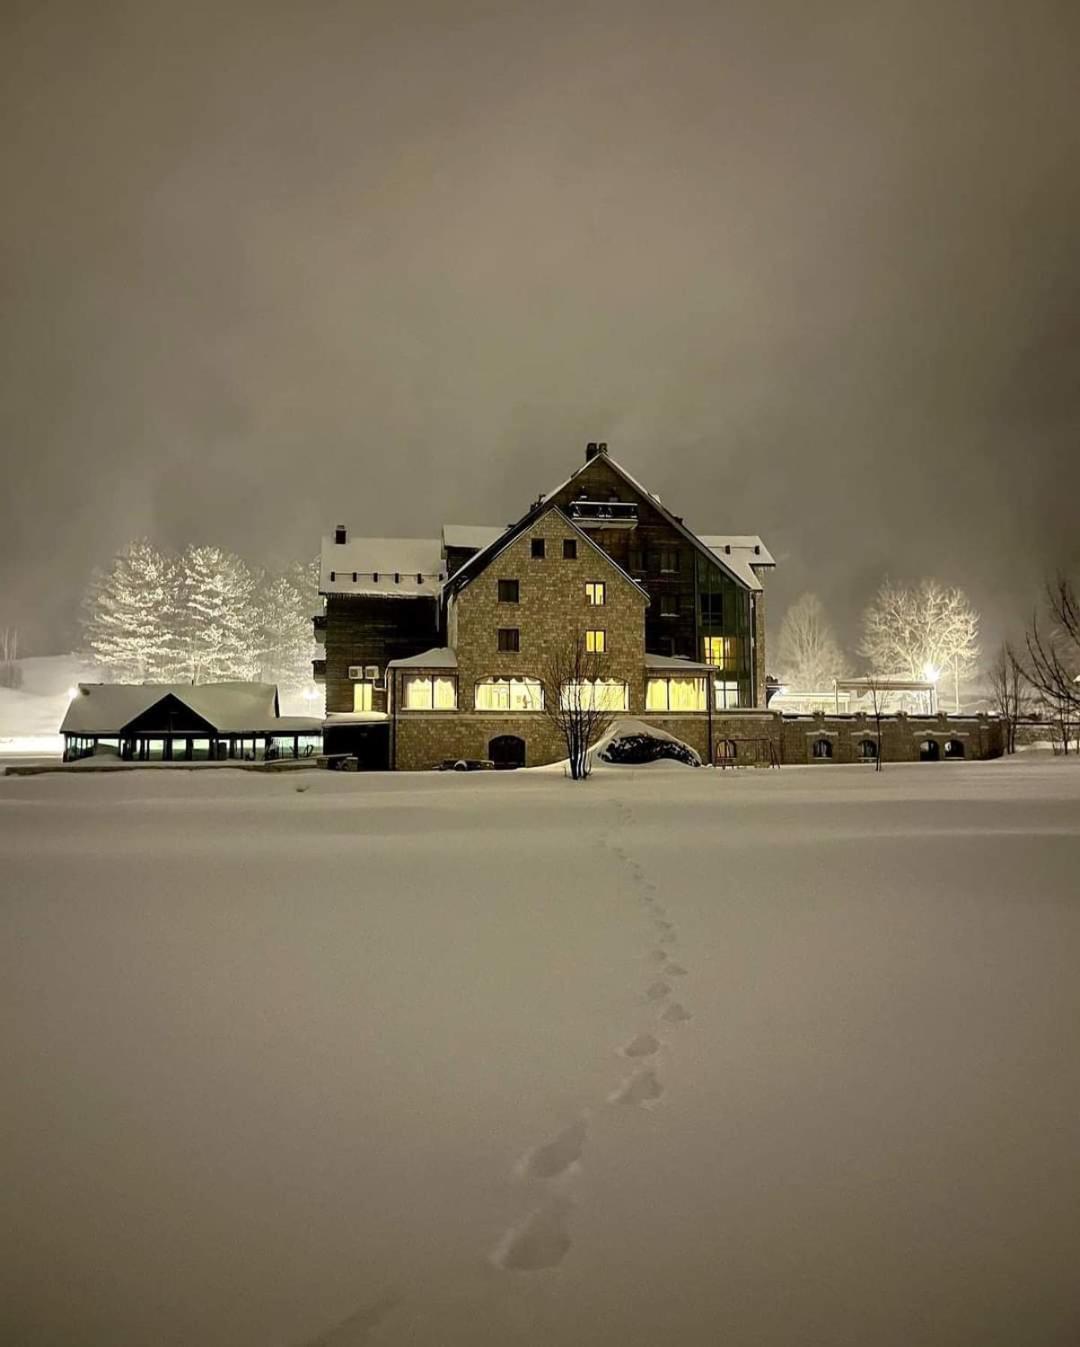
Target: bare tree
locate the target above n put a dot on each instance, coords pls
(10, 673)
(879, 695)
(579, 700)
(1011, 692)
(908, 630)
(1052, 666)
(808, 653)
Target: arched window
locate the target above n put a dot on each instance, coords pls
(822, 749)
(954, 748)
(509, 694)
(594, 694)
(929, 751)
(867, 750)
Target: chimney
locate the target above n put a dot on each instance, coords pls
(601, 448)
(339, 534)
(591, 451)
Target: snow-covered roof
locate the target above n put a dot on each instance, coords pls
(231, 708)
(471, 535)
(675, 664)
(740, 552)
(382, 566)
(353, 717)
(442, 657)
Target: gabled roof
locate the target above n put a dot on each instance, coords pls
(231, 708)
(478, 563)
(376, 561)
(735, 565)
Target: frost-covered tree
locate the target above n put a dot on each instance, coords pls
(1011, 692)
(217, 626)
(283, 621)
(807, 651)
(10, 672)
(910, 629)
(130, 616)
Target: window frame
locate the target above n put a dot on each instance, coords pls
(596, 593)
(537, 550)
(653, 680)
(595, 683)
(569, 549)
(409, 680)
(498, 680)
(508, 647)
(723, 690)
(596, 640)
(508, 582)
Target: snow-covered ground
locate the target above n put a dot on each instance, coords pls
(30, 714)
(328, 1059)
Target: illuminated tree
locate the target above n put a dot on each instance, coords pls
(130, 616)
(807, 651)
(920, 631)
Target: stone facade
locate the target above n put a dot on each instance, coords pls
(552, 609)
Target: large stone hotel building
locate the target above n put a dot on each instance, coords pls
(436, 648)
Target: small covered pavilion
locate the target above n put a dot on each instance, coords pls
(183, 722)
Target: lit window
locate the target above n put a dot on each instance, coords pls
(596, 694)
(721, 651)
(508, 591)
(569, 549)
(595, 593)
(509, 640)
(509, 694)
(428, 692)
(726, 695)
(362, 696)
(595, 642)
(675, 694)
(538, 547)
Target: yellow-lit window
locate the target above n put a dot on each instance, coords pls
(595, 642)
(509, 694)
(595, 593)
(362, 697)
(423, 692)
(721, 651)
(599, 694)
(675, 694)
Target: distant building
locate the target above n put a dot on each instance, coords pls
(435, 648)
(181, 722)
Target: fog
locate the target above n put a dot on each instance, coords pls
(810, 270)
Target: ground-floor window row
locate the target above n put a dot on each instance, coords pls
(427, 692)
(195, 748)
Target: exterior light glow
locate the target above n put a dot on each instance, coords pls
(930, 673)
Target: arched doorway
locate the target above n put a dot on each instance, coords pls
(954, 748)
(929, 751)
(868, 750)
(822, 750)
(507, 751)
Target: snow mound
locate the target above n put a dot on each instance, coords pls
(633, 743)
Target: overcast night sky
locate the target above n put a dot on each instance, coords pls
(812, 270)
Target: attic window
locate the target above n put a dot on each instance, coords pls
(569, 549)
(537, 549)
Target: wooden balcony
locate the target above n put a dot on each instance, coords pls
(604, 514)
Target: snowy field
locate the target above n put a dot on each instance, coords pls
(671, 1057)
